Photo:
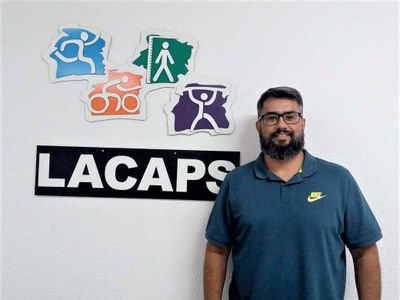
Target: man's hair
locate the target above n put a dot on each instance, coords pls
(280, 92)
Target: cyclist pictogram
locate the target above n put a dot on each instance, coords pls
(117, 97)
(106, 94)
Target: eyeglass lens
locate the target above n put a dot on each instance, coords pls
(289, 118)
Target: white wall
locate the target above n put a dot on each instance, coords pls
(342, 56)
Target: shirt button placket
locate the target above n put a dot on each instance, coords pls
(285, 194)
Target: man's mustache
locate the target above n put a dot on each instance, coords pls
(278, 131)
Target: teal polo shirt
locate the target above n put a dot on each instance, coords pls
(288, 238)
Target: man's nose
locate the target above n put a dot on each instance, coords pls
(281, 123)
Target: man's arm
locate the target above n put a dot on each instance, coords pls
(215, 263)
(367, 272)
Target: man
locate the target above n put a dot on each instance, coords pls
(287, 217)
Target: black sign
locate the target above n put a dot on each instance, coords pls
(131, 173)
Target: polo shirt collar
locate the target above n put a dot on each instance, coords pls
(308, 168)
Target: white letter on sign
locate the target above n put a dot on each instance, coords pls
(93, 176)
(183, 175)
(110, 173)
(44, 173)
(217, 174)
(156, 163)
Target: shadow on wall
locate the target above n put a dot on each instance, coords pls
(248, 139)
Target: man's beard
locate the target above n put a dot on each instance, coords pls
(281, 152)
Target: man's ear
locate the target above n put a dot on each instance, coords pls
(258, 127)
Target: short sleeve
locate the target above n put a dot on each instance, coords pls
(219, 227)
(361, 227)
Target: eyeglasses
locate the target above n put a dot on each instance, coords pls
(273, 118)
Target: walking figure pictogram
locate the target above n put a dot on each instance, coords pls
(164, 56)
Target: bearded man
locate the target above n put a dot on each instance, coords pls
(287, 218)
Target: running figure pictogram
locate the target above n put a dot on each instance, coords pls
(81, 43)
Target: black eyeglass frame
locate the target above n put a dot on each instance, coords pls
(299, 117)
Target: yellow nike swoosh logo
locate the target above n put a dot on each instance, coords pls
(312, 199)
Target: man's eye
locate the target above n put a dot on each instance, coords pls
(271, 118)
(290, 117)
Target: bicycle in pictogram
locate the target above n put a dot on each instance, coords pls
(105, 96)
